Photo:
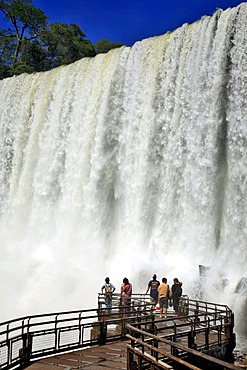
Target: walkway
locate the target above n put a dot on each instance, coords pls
(109, 356)
(91, 339)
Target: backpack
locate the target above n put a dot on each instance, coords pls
(108, 289)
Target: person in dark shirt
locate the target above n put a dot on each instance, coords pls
(176, 291)
(153, 287)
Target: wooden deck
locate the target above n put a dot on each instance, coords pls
(92, 339)
(108, 356)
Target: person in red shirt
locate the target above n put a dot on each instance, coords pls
(127, 292)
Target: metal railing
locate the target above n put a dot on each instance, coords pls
(183, 341)
(28, 338)
(138, 301)
(153, 353)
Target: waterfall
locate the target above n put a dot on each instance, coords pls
(126, 164)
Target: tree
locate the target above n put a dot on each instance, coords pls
(34, 57)
(103, 46)
(25, 23)
(30, 44)
(65, 43)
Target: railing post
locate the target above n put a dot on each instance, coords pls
(174, 339)
(129, 358)
(103, 332)
(196, 313)
(228, 326)
(191, 337)
(26, 350)
(56, 334)
(191, 340)
(220, 333)
(207, 337)
(156, 345)
(8, 345)
(185, 306)
(153, 324)
(80, 329)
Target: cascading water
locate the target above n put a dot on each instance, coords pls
(127, 164)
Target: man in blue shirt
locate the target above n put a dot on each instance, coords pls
(153, 286)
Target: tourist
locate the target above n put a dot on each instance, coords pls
(176, 292)
(122, 292)
(108, 289)
(153, 287)
(126, 291)
(163, 293)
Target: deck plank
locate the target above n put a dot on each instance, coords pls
(109, 356)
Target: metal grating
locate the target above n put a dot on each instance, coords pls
(3, 355)
(68, 337)
(16, 345)
(43, 342)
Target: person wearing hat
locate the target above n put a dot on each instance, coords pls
(153, 286)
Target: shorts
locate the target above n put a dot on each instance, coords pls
(154, 300)
(163, 302)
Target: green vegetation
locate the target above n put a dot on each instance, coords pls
(103, 46)
(30, 43)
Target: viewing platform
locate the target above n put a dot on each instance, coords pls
(132, 338)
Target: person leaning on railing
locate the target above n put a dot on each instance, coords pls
(108, 289)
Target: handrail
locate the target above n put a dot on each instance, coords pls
(136, 300)
(197, 319)
(160, 353)
(22, 340)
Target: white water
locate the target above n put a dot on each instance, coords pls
(127, 164)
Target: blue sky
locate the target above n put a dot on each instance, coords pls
(128, 21)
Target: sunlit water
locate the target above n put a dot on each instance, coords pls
(126, 164)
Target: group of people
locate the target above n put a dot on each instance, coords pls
(160, 293)
(125, 293)
(164, 294)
